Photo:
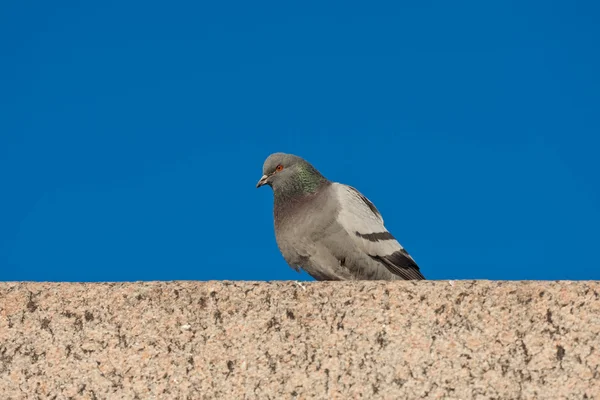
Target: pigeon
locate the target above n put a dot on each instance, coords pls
(328, 229)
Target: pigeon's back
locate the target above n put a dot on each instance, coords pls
(379, 254)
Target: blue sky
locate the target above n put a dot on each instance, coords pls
(133, 133)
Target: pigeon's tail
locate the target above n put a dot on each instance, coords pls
(400, 263)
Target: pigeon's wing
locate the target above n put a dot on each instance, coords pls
(363, 222)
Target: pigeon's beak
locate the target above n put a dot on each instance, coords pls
(262, 181)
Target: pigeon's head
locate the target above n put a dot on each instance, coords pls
(286, 171)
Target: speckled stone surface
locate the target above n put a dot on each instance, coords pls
(282, 340)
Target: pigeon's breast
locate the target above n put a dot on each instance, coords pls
(300, 225)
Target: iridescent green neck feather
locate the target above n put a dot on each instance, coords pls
(305, 180)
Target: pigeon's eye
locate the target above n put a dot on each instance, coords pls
(279, 168)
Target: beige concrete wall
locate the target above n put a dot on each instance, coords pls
(193, 340)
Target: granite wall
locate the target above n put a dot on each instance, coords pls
(285, 340)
